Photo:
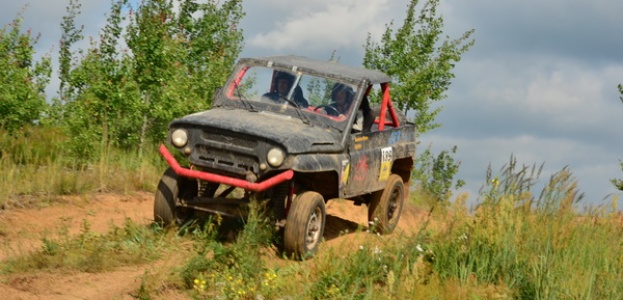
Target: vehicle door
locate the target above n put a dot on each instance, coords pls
(372, 153)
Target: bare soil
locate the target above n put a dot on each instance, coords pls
(21, 231)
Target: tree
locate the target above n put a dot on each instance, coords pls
(70, 35)
(98, 93)
(180, 59)
(419, 63)
(174, 60)
(421, 66)
(22, 79)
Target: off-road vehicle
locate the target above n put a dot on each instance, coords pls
(276, 133)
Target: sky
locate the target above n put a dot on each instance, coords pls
(540, 83)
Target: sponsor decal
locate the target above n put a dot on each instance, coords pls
(361, 169)
(394, 137)
(345, 173)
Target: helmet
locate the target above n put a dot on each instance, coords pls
(284, 75)
(338, 87)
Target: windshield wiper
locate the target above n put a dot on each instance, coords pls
(299, 112)
(244, 99)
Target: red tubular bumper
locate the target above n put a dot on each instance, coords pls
(256, 187)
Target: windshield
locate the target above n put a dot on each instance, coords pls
(312, 98)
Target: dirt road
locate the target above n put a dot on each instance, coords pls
(21, 231)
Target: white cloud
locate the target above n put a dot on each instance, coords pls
(569, 92)
(334, 25)
(544, 95)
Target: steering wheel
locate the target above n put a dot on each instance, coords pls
(328, 109)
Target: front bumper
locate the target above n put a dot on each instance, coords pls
(211, 177)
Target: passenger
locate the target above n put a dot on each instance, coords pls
(282, 84)
(342, 99)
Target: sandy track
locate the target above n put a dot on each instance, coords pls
(21, 231)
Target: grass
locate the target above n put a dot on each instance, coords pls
(519, 243)
(37, 173)
(88, 251)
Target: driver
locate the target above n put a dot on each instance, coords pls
(282, 83)
(341, 98)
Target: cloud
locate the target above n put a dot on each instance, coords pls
(322, 25)
(546, 96)
(572, 28)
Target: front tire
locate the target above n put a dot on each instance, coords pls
(386, 205)
(171, 189)
(305, 225)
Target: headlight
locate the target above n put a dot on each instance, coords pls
(275, 157)
(179, 138)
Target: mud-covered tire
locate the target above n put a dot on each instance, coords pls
(385, 206)
(171, 188)
(304, 225)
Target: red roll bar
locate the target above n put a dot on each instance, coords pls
(252, 186)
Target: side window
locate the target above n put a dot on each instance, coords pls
(371, 107)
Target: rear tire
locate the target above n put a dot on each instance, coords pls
(171, 189)
(386, 205)
(305, 225)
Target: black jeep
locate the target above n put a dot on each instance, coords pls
(293, 133)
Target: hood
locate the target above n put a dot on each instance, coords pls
(288, 131)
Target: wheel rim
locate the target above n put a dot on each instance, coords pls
(394, 203)
(314, 224)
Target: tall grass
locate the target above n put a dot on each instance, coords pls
(36, 168)
(538, 247)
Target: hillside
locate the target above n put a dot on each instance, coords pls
(22, 230)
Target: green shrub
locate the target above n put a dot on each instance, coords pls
(436, 174)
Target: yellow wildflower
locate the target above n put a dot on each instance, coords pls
(495, 182)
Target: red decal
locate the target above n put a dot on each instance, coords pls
(361, 169)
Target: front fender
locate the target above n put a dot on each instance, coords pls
(308, 163)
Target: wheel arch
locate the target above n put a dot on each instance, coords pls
(326, 183)
(402, 167)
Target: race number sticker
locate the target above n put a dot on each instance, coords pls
(386, 163)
